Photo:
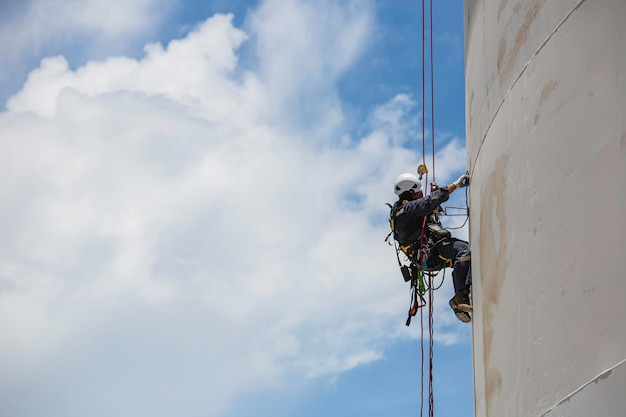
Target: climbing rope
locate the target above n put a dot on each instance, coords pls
(431, 394)
(429, 274)
(432, 90)
(422, 377)
(422, 277)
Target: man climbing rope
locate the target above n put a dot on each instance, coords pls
(416, 228)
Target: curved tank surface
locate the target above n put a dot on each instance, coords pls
(546, 140)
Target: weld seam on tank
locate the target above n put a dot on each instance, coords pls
(602, 375)
(523, 70)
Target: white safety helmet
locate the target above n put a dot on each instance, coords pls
(407, 182)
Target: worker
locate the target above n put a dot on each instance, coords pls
(408, 214)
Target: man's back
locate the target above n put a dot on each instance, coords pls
(408, 215)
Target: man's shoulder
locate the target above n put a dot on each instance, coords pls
(406, 206)
(396, 206)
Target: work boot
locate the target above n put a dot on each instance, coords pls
(461, 315)
(462, 301)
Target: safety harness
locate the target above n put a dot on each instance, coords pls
(419, 250)
(420, 255)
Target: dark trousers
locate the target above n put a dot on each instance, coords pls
(459, 253)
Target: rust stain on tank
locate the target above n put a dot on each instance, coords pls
(545, 93)
(622, 144)
(493, 255)
(520, 40)
(547, 90)
(501, 8)
(493, 386)
(501, 52)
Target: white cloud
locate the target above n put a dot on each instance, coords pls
(194, 72)
(30, 28)
(37, 22)
(165, 240)
(304, 47)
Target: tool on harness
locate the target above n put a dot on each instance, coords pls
(406, 273)
(437, 232)
(418, 289)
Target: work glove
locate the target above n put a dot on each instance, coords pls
(463, 181)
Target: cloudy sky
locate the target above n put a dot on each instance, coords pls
(193, 207)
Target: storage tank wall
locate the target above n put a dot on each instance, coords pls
(546, 138)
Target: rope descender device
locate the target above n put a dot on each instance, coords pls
(421, 170)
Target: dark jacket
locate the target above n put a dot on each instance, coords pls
(409, 215)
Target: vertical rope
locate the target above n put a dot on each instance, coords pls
(432, 89)
(424, 88)
(422, 377)
(423, 162)
(431, 395)
(425, 193)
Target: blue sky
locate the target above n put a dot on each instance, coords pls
(194, 207)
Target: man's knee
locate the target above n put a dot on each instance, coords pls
(463, 251)
(464, 256)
